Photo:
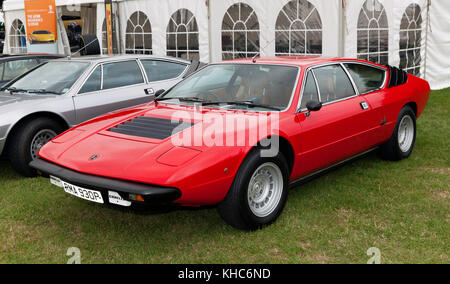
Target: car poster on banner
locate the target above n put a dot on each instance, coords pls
(41, 26)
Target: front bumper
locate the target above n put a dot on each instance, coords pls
(151, 194)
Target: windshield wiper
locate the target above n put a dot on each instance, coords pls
(38, 91)
(43, 91)
(249, 104)
(15, 90)
(181, 99)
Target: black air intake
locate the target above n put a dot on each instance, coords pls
(151, 127)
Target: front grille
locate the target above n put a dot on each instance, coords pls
(151, 127)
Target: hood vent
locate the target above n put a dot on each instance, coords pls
(151, 127)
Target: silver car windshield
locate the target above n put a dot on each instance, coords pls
(55, 77)
(242, 86)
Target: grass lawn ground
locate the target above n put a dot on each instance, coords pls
(401, 208)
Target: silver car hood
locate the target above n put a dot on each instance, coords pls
(6, 99)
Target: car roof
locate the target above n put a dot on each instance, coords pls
(107, 58)
(28, 56)
(301, 61)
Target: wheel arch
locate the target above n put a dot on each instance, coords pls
(414, 107)
(285, 147)
(56, 117)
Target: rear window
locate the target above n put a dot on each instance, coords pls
(366, 78)
(162, 70)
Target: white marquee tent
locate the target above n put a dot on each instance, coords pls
(412, 34)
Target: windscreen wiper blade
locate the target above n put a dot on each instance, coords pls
(43, 91)
(249, 104)
(181, 99)
(16, 90)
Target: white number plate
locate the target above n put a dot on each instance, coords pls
(83, 193)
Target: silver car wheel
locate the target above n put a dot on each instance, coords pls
(265, 190)
(406, 133)
(40, 139)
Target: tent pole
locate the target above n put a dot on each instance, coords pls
(342, 27)
(428, 28)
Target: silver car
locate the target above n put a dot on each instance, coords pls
(60, 94)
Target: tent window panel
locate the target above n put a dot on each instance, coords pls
(373, 33)
(298, 29)
(182, 34)
(411, 39)
(138, 36)
(240, 32)
(17, 37)
(363, 41)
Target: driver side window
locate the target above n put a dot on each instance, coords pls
(310, 93)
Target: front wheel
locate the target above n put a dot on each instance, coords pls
(258, 193)
(27, 140)
(401, 144)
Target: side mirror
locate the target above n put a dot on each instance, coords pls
(159, 93)
(313, 106)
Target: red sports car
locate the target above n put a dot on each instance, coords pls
(239, 134)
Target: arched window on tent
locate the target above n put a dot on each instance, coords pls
(373, 33)
(17, 37)
(105, 42)
(240, 32)
(298, 29)
(138, 36)
(182, 35)
(411, 40)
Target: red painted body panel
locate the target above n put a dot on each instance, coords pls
(204, 174)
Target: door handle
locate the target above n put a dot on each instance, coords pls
(149, 91)
(364, 105)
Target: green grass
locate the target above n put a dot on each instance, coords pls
(401, 208)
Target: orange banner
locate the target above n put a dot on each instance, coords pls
(41, 21)
(109, 34)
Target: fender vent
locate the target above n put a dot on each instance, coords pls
(397, 77)
(151, 127)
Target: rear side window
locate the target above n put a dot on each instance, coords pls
(16, 68)
(334, 83)
(121, 74)
(94, 83)
(310, 93)
(366, 78)
(162, 70)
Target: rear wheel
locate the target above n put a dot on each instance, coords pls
(401, 144)
(258, 193)
(27, 140)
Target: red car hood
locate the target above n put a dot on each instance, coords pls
(94, 148)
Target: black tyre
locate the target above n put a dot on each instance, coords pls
(27, 139)
(89, 45)
(401, 144)
(258, 193)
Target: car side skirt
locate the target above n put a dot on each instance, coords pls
(319, 173)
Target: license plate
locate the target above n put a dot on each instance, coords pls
(83, 193)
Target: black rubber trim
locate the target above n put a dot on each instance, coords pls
(397, 76)
(150, 193)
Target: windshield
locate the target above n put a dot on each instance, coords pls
(238, 86)
(53, 77)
